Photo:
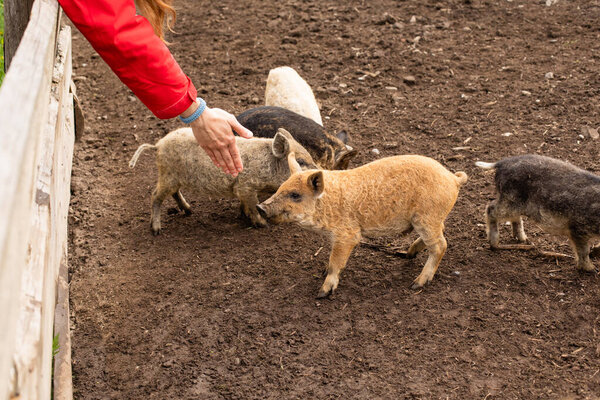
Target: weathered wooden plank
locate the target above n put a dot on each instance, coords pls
(61, 194)
(63, 388)
(33, 353)
(29, 346)
(16, 16)
(24, 98)
(63, 377)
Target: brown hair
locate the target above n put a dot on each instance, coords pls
(158, 12)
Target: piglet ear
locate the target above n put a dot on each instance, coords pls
(293, 164)
(281, 145)
(285, 133)
(329, 157)
(315, 183)
(343, 158)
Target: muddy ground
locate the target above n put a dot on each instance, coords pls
(214, 309)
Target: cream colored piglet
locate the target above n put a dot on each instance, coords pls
(287, 89)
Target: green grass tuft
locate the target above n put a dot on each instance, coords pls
(55, 346)
(55, 349)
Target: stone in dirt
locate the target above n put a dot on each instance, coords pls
(409, 80)
(386, 19)
(591, 132)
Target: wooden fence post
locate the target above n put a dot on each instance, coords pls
(16, 17)
(36, 145)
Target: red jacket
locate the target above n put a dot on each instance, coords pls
(129, 46)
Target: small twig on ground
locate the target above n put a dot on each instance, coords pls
(395, 251)
(532, 247)
(318, 251)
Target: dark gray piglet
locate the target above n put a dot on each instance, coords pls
(560, 197)
(328, 151)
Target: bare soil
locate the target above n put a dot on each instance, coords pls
(214, 309)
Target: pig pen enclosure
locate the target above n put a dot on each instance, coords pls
(212, 308)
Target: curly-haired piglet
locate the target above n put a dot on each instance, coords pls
(183, 164)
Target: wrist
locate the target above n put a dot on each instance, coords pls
(190, 110)
(193, 112)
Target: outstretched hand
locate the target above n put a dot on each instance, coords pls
(214, 132)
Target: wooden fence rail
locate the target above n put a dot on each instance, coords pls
(36, 148)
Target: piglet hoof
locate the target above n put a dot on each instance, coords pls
(255, 221)
(587, 271)
(187, 212)
(416, 286)
(155, 230)
(406, 254)
(323, 294)
(588, 268)
(259, 224)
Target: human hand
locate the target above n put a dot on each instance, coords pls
(214, 132)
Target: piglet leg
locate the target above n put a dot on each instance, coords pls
(519, 231)
(436, 247)
(338, 258)
(249, 200)
(183, 205)
(415, 248)
(581, 246)
(162, 190)
(495, 212)
(492, 224)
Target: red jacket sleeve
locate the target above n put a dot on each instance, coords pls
(129, 46)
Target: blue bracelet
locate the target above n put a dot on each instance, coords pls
(196, 114)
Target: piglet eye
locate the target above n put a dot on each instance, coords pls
(295, 196)
(302, 163)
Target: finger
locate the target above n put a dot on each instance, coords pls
(211, 154)
(222, 164)
(239, 129)
(229, 161)
(235, 156)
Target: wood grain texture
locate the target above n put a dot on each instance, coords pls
(24, 106)
(47, 243)
(63, 161)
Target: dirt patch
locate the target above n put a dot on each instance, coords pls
(213, 309)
